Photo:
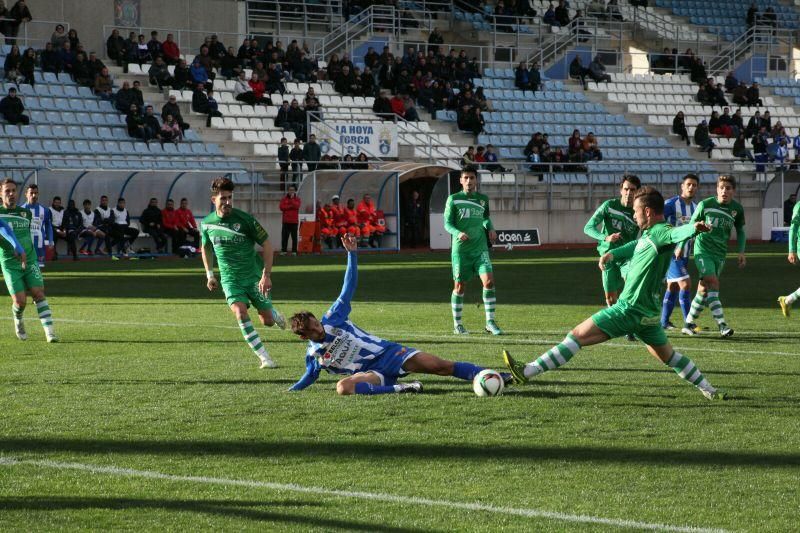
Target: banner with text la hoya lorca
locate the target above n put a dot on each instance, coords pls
(376, 139)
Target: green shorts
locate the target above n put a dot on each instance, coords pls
(246, 293)
(709, 265)
(467, 266)
(620, 319)
(18, 280)
(614, 276)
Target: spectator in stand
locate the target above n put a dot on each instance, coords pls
(81, 72)
(578, 71)
(290, 209)
(151, 124)
(59, 36)
(12, 109)
(767, 120)
(50, 59)
(296, 157)
(136, 125)
(697, 70)
(754, 125)
(731, 82)
(19, 14)
(740, 149)
(703, 95)
(549, 16)
(242, 91)
(188, 223)
(311, 105)
(258, 88)
(140, 54)
(591, 148)
(346, 82)
(151, 223)
(574, 144)
(409, 109)
(124, 98)
(171, 131)
(492, 164)
(172, 108)
(159, 74)
(27, 65)
(760, 141)
(522, 77)
(727, 120)
(752, 15)
(138, 97)
(115, 47)
(480, 156)
(597, 71)
(216, 50)
(702, 138)
(679, 127)
(230, 65)
(753, 97)
(312, 153)
(383, 106)
(769, 18)
(204, 102)
(89, 228)
(154, 46)
(716, 125)
(95, 65)
(468, 158)
(198, 74)
(283, 161)
(182, 76)
(434, 40)
(72, 37)
(11, 65)
(739, 94)
(737, 122)
(170, 50)
(718, 94)
(778, 131)
(66, 57)
(562, 13)
(362, 162)
(122, 234)
(103, 85)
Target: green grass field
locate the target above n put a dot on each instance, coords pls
(151, 414)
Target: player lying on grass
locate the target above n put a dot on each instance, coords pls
(794, 240)
(638, 309)
(372, 364)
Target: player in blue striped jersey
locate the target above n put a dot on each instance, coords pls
(41, 225)
(678, 211)
(372, 365)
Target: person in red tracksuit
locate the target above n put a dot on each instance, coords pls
(290, 207)
(339, 217)
(187, 222)
(352, 219)
(367, 219)
(171, 220)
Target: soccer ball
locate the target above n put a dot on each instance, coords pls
(488, 383)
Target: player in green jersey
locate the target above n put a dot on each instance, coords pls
(245, 274)
(721, 213)
(22, 276)
(466, 218)
(794, 240)
(612, 226)
(638, 310)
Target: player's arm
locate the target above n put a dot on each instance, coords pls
(311, 375)
(741, 237)
(670, 216)
(687, 231)
(595, 222)
(48, 227)
(794, 234)
(265, 285)
(207, 253)
(341, 308)
(487, 223)
(7, 233)
(450, 213)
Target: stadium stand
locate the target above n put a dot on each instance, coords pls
(728, 18)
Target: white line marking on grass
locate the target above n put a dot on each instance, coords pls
(375, 496)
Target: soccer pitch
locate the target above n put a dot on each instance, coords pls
(151, 414)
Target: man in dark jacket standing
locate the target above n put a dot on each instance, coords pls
(151, 223)
(312, 153)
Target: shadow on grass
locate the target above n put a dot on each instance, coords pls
(227, 508)
(375, 452)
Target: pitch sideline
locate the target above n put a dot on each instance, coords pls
(382, 497)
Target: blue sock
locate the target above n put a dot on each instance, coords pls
(466, 371)
(686, 303)
(370, 389)
(667, 306)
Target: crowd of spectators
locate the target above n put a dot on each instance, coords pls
(545, 158)
(291, 159)
(364, 221)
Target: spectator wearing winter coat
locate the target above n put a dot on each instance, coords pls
(702, 139)
(159, 74)
(170, 50)
(103, 85)
(312, 153)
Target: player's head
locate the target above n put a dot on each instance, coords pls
(726, 187)
(56, 201)
(184, 203)
(307, 327)
(689, 186)
(469, 178)
(153, 202)
(32, 193)
(648, 207)
(627, 189)
(120, 203)
(222, 196)
(87, 205)
(8, 192)
(170, 203)
(104, 201)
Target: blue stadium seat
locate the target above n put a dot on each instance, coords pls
(35, 146)
(50, 146)
(74, 132)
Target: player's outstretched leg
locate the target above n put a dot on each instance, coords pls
(371, 384)
(557, 356)
(687, 370)
(786, 302)
(425, 363)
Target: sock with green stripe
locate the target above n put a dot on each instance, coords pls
(45, 316)
(698, 304)
(17, 312)
(253, 340)
(489, 302)
(716, 307)
(456, 305)
(557, 356)
(686, 369)
(792, 298)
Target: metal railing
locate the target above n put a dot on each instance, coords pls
(590, 32)
(35, 33)
(291, 17)
(756, 40)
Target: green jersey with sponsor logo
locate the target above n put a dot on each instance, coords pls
(20, 221)
(649, 259)
(794, 229)
(233, 238)
(468, 213)
(611, 217)
(722, 218)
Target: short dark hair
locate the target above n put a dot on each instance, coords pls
(56, 198)
(691, 176)
(222, 184)
(633, 179)
(32, 187)
(120, 199)
(726, 178)
(184, 199)
(299, 321)
(7, 181)
(87, 201)
(104, 196)
(470, 169)
(650, 197)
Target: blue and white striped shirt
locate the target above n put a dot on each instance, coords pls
(346, 349)
(41, 225)
(678, 212)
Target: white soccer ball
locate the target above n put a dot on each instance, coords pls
(488, 383)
